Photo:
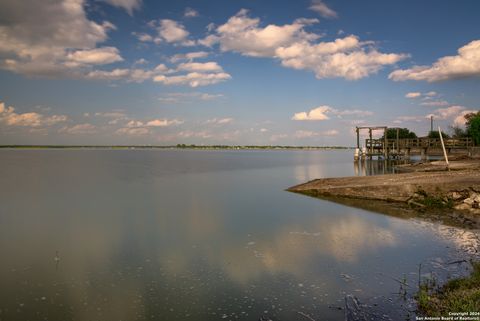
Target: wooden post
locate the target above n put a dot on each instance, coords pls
(371, 143)
(443, 146)
(385, 143)
(358, 138)
(398, 140)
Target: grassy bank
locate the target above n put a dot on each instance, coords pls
(457, 295)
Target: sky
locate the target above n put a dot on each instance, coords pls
(256, 72)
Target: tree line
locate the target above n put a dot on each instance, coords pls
(472, 130)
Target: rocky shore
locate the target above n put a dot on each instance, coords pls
(426, 189)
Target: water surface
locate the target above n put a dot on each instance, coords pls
(197, 235)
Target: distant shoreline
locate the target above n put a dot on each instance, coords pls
(179, 146)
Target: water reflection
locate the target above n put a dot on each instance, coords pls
(131, 241)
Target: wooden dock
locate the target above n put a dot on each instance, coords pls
(401, 148)
(404, 148)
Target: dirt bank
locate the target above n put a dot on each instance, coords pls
(426, 189)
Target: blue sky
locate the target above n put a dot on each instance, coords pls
(233, 72)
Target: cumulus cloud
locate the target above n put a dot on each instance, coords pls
(79, 129)
(243, 34)
(38, 39)
(413, 95)
(460, 120)
(172, 31)
(446, 113)
(189, 56)
(322, 112)
(128, 5)
(190, 13)
(137, 127)
(435, 103)
(9, 117)
(132, 131)
(145, 37)
(210, 66)
(163, 122)
(465, 64)
(322, 9)
(193, 79)
(402, 119)
(97, 56)
(319, 113)
(128, 74)
(219, 121)
(296, 48)
(188, 96)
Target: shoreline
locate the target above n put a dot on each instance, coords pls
(426, 191)
(421, 190)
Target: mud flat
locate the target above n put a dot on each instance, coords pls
(420, 190)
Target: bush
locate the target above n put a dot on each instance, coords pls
(434, 134)
(473, 126)
(402, 133)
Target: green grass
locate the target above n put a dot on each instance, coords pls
(433, 201)
(458, 295)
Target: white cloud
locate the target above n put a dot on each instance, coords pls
(431, 94)
(465, 64)
(413, 95)
(189, 134)
(460, 119)
(140, 61)
(97, 56)
(350, 112)
(322, 112)
(79, 129)
(189, 56)
(112, 114)
(436, 103)
(346, 58)
(38, 38)
(172, 31)
(190, 13)
(128, 5)
(402, 119)
(145, 37)
(242, 34)
(321, 8)
(219, 121)
(130, 75)
(132, 131)
(319, 113)
(115, 74)
(193, 79)
(447, 113)
(163, 122)
(188, 96)
(210, 66)
(9, 117)
(310, 134)
(296, 48)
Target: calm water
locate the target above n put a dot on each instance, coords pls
(197, 235)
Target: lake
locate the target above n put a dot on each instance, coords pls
(201, 235)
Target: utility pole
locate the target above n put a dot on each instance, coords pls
(431, 123)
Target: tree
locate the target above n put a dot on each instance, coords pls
(402, 133)
(434, 134)
(458, 132)
(473, 126)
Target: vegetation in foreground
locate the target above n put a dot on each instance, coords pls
(457, 295)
